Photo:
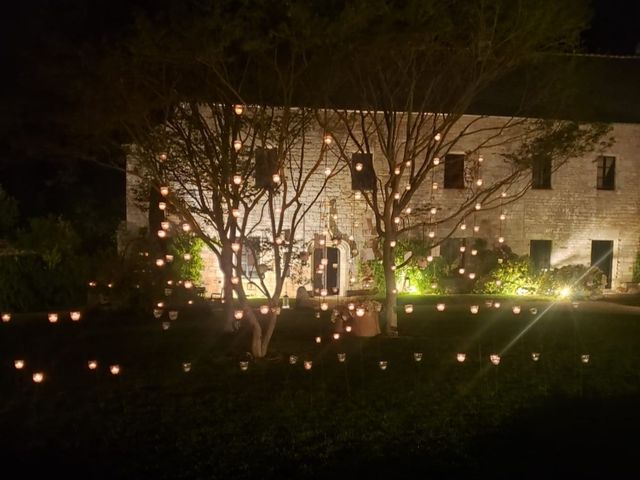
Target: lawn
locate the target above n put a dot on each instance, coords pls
(435, 417)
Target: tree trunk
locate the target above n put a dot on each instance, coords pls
(256, 334)
(226, 265)
(390, 313)
(271, 325)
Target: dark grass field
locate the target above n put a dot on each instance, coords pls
(437, 418)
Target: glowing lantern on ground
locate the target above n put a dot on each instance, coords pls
(533, 311)
(308, 364)
(293, 359)
(19, 364)
(516, 309)
(75, 316)
(188, 284)
(285, 302)
(496, 304)
(351, 306)
(92, 364)
(244, 365)
(336, 336)
(417, 356)
(186, 367)
(474, 309)
(342, 357)
(440, 307)
(157, 313)
(38, 377)
(173, 315)
(584, 358)
(159, 262)
(535, 356)
(114, 369)
(408, 308)
(165, 325)
(187, 256)
(53, 318)
(383, 364)
(461, 357)
(495, 359)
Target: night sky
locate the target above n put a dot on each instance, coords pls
(39, 35)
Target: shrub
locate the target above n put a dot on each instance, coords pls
(572, 280)
(511, 277)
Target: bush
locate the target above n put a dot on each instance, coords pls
(511, 277)
(572, 280)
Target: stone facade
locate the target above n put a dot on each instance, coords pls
(571, 214)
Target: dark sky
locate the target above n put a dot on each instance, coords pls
(30, 29)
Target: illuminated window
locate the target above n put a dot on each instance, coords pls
(541, 173)
(606, 173)
(454, 171)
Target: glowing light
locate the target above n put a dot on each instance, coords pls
(166, 325)
(53, 318)
(383, 364)
(238, 109)
(461, 357)
(275, 178)
(461, 271)
(157, 313)
(434, 185)
(342, 357)
(235, 246)
(165, 225)
(75, 316)
(474, 309)
(324, 306)
(264, 309)
(432, 234)
(186, 227)
(495, 359)
(173, 315)
(336, 336)
(114, 369)
(308, 364)
(237, 145)
(478, 206)
(348, 328)
(500, 239)
(516, 309)
(496, 304)
(476, 228)
(408, 308)
(440, 307)
(162, 234)
(187, 256)
(6, 317)
(318, 339)
(360, 311)
(472, 276)
(565, 292)
(474, 252)
(162, 157)
(235, 280)
(38, 377)
(162, 205)
(164, 191)
(188, 284)
(237, 179)
(417, 356)
(479, 182)
(436, 161)
(18, 364)
(238, 314)
(285, 302)
(159, 262)
(396, 220)
(244, 365)
(327, 139)
(433, 210)
(359, 166)
(533, 311)
(293, 359)
(186, 367)
(584, 358)
(358, 195)
(92, 364)
(503, 216)
(392, 243)
(396, 171)
(351, 306)
(429, 258)
(396, 196)
(437, 137)
(535, 356)
(168, 258)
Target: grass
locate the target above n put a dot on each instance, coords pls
(437, 417)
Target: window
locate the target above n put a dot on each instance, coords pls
(266, 166)
(250, 257)
(363, 176)
(606, 172)
(540, 253)
(541, 170)
(454, 171)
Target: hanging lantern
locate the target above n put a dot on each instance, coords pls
(238, 109)
(238, 314)
(162, 157)
(38, 377)
(348, 328)
(503, 216)
(166, 325)
(275, 178)
(350, 306)
(472, 276)
(187, 256)
(480, 159)
(264, 309)
(436, 160)
(53, 318)
(396, 220)
(437, 137)
(360, 311)
(461, 357)
(188, 284)
(18, 364)
(327, 139)
(342, 357)
(432, 234)
(173, 315)
(503, 194)
(392, 243)
(293, 359)
(359, 166)
(162, 205)
(186, 367)
(474, 252)
(396, 171)
(358, 195)
(75, 316)
(92, 364)
(235, 280)
(495, 359)
(244, 365)
(474, 309)
(237, 145)
(461, 271)
(479, 182)
(396, 196)
(498, 283)
(383, 364)
(476, 228)
(500, 239)
(168, 258)
(235, 247)
(164, 191)
(417, 356)
(584, 358)
(162, 234)
(114, 369)
(237, 179)
(433, 210)
(478, 206)
(496, 304)
(516, 309)
(186, 227)
(308, 364)
(462, 249)
(336, 336)
(440, 307)
(6, 317)
(429, 258)
(318, 339)
(159, 262)
(157, 313)
(434, 185)
(285, 301)
(535, 356)
(324, 306)
(408, 308)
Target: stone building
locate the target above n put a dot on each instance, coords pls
(585, 212)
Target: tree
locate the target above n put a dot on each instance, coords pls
(227, 160)
(415, 71)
